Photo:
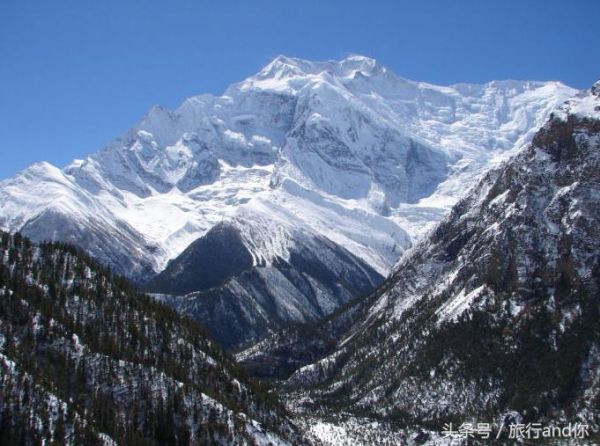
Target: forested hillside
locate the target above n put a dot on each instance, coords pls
(85, 359)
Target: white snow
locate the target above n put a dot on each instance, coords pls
(584, 105)
(257, 153)
(454, 307)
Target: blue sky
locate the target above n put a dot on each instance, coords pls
(75, 74)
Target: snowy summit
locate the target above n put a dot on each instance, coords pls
(344, 155)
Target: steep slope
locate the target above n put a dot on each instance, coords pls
(347, 142)
(240, 302)
(85, 359)
(217, 256)
(496, 312)
(341, 152)
(284, 351)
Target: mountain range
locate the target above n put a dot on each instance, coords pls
(390, 255)
(493, 316)
(314, 176)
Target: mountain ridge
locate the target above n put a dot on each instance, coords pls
(343, 155)
(493, 314)
(192, 161)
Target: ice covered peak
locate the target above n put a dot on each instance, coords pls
(283, 66)
(359, 58)
(290, 74)
(43, 170)
(355, 63)
(347, 138)
(586, 104)
(283, 75)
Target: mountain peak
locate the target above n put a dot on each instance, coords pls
(360, 58)
(282, 59)
(586, 104)
(42, 169)
(284, 67)
(364, 64)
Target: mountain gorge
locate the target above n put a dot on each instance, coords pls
(494, 315)
(323, 169)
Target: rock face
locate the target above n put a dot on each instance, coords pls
(496, 311)
(340, 153)
(208, 262)
(240, 302)
(86, 359)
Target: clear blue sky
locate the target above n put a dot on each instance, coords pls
(75, 74)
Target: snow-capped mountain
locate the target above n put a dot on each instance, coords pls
(342, 152)
(496, 311)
